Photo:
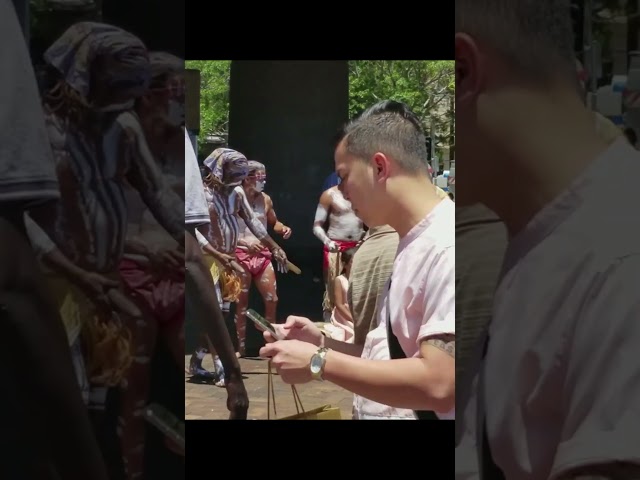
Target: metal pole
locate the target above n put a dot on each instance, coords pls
(434, 161)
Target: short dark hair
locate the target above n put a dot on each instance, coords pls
(534, 36)
(631, 135)
(390, 127)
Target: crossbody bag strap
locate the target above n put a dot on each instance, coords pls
(396, 352)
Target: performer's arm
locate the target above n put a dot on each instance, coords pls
(322, 213)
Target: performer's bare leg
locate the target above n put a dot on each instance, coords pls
(200, 293)
(241, 312)
(266, 284)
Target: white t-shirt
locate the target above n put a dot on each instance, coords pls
(560, 385)
(421, 299)
(196, 210)
(27, 170)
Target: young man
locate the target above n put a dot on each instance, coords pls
(557, 395)
(382, 161)
(371, 269)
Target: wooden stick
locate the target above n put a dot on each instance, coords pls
(293, 268)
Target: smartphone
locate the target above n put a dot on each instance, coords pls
(262, 322)
(166, 422)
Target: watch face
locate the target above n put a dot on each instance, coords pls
(316, 364)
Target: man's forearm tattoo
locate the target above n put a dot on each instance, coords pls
(446, 343)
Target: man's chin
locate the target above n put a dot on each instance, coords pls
(368, 221)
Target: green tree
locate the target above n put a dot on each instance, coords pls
(214, 96)
(426, 86)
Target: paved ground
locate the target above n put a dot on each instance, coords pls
(207, 402)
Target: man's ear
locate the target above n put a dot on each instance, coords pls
(382, 166)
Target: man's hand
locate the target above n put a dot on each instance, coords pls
(96, 288)
(291, 359)
(333, 247)
(281, 260)
(166, 260)
(237, 399)
(226, 261)
(237, 268)
(286, 232)
(122, 304)
(297, 328)
(254, 247)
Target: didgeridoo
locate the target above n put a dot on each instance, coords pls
(293, 268)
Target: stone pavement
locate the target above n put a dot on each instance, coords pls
(207, 402)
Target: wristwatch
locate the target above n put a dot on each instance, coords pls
(317, 364)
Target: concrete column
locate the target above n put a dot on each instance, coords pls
(285, 114)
